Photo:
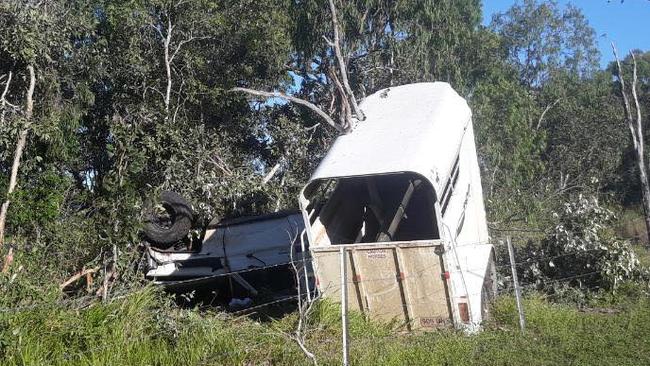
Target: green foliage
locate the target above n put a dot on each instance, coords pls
(103, 141)
(541, 39)
(584, 249)
(29, 35)
(562, 128)
(584, 134)
(40, 205)
(510, 148)
(388, 43)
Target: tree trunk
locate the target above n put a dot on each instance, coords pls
(168, 68)
(643, 173)
(20, 148)
(635, 125)
(3, 100)
(645, 193)
(342, 66)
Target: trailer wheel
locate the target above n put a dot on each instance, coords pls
(166, 228)
(489, 290)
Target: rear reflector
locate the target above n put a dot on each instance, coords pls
(463, 312)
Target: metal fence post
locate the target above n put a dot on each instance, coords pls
(515, 281)
(304, 264)
(344, 305)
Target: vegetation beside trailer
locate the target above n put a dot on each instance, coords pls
(143, 328)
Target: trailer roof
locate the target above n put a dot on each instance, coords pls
(414, 128)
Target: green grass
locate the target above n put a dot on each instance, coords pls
(144, 329)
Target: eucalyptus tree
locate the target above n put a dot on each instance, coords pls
(634, 120)
(553, 58)
(628, 187)
(38, 43)
(541, 37)
(130, 97)
(169, 121)
(383, 43)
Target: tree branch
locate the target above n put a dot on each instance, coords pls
(336, 44)
(626, 102)
(346, 113)
(3, 98)
(636, 130)
(29, 108)
(184, 42)
(548, 108)
(77, 276)
(293, 99)
(168, 67)
(157, 30)
(635, 97)
(304, 312)
(20, 147)
(271, 174)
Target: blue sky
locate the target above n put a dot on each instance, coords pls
(627, 24)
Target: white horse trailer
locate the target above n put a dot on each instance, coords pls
(402, 195)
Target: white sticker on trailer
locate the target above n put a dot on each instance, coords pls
(376, 254)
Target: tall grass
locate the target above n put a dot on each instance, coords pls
(145, 329)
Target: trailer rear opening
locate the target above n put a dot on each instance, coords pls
(402, 195)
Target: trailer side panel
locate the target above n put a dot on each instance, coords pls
(400, 282)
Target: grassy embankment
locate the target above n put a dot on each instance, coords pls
(144, 329)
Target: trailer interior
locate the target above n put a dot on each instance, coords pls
(371, 209)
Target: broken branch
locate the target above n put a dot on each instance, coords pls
(271, 173)
(293, 99)
(336, 44)
(346, 113)
(77, 276)
(548, 108)
(9, 259)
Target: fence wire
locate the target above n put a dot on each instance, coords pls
(394, 278)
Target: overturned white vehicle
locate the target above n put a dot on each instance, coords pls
(228, 248)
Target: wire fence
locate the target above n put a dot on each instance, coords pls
(502, 266)
(394, 280)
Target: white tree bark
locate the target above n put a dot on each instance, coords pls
(342, 66)
(18, 154)
(168, 66)
(635, 125)
(548, 108)
(171, 49)
(293, 99)
(3, 99)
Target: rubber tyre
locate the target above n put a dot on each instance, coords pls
(181, 216)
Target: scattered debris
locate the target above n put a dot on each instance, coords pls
(239, 304)
(83, 273)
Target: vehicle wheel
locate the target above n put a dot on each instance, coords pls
(489, 290)
(168, 227)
